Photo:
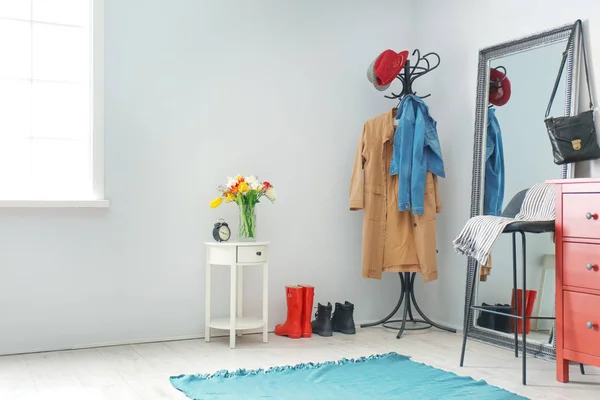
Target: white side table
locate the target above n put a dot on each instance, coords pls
(236, 255)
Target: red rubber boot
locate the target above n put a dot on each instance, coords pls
(308, 295)
(293, 324)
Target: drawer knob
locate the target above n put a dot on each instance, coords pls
(259, 253)
(591, 216)
(589, 267)
(590, 325)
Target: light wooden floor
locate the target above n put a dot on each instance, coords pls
(142, 371)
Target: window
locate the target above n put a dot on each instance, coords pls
(51, 101)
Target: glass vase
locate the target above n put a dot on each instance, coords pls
(247, 222)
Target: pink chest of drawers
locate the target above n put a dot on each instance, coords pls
(577, 274)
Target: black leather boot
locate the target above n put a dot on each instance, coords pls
(322, 323)
(502, 322)
(486, 319)
(343, 318)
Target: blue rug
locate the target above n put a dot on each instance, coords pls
(387, 376)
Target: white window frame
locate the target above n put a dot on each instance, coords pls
(98, 200)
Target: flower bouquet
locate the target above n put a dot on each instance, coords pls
(246, 191)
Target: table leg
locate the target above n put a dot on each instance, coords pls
(240, 297)
(266, 302)
(207, 301)
(232, 306)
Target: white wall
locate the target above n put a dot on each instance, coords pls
(457, 30)
(197, 91)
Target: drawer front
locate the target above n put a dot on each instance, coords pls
(581, 266)
(581, 316)
(581, 213)
(251, 254)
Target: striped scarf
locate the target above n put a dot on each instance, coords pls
(481, 233)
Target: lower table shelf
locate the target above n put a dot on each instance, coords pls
(240, 323)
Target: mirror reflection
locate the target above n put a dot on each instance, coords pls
(518, 155)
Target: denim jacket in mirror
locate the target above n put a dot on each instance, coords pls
(493, 195)
(416, 150)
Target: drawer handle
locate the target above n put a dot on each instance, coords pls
(590, 325)
(589, 267)
(258, 253)
(590, 216)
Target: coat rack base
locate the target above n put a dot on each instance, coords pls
(407, 296)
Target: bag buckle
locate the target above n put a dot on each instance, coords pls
(576, 144)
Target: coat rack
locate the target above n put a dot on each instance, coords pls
(407, 279)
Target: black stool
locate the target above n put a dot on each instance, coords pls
(520, 227)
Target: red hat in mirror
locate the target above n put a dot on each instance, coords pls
(499, 87)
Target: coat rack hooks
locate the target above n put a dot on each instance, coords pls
(410, 73)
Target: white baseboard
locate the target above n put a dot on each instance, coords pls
(116, 343)
(166, 339)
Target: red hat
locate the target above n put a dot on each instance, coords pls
(386, 67)
(499, 87)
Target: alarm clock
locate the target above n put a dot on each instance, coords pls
(221, 231)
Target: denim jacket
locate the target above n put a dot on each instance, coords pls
(493, 196)
(416, 150)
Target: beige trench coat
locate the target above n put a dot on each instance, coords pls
(393, 241)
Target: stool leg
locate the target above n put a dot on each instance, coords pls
(266, 302)
(524, 309)
(207, 301)
(581, 369)
(240, 295)
(515, 321)
(232, 306)
(468, 312)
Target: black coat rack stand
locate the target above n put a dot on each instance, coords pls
(407, 279)
(407, 296)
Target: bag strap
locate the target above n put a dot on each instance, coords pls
(576, 27)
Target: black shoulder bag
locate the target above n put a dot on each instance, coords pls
(573, 138)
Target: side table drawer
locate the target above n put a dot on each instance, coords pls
(580, 322)
(581, 212)
(251, 254)
(581, 265)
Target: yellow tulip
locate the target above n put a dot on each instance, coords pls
(229, 197)
(216, 202)
(243, 187)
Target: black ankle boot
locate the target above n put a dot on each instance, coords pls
(343, 319)
(322, 323)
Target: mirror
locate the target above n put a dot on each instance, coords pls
(512, 153)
